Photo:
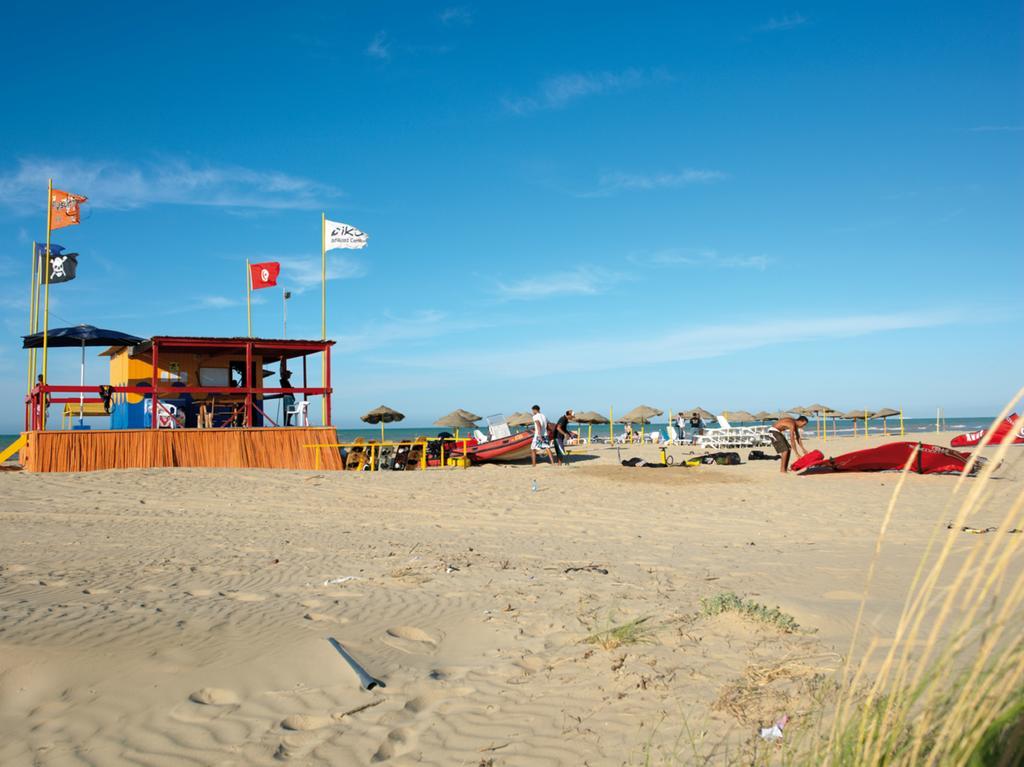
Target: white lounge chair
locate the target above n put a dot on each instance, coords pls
(729, 436)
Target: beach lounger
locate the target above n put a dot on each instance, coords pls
(729, 436)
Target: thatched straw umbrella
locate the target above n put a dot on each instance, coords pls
(833, 414)
(707, 415)
(519, 419)
(641, 414)
(382, 415)
(764, 415)
(467, 415)
(739, 416)
(884, 414)
(590, 417)
(855, 415)
(455, 420)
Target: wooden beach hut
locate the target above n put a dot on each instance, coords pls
(190, 401)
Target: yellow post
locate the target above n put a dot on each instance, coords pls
(382, 431)
(248, 298)
(865, 423)
(323, 308)
(46, 301)
(32, 317)
(901, 422)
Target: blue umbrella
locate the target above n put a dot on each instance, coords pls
(80, 335)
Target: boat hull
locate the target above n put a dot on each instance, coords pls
(513, 448)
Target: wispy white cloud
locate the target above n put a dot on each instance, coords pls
(391, 330)
(217, 302)
(300, 273)
(456, 14)
(703, 257)
(691, 343)
(125, 186)
(560, 91)
(789, 21)
(582, 281)
(612, 183)
(379, 47)
(998, 129)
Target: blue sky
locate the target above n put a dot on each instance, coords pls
(737, 205)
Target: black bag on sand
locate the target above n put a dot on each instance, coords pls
(723, 459)
(760, 455)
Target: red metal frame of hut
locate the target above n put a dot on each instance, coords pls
(154, 369)
(256, 350)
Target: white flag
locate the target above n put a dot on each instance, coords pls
(338, 235)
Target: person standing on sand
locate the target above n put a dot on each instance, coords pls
(781, 444)
(562, 433)
(540, 436)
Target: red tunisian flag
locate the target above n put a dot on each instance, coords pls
(264, 275)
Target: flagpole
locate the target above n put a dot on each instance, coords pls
(248, 297)
(46, 302)
(32, 317)
(323, 309)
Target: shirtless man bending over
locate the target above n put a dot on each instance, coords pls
(782, 445)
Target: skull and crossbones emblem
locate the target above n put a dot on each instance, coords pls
(57, 266)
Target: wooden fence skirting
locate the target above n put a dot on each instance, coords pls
(266, 448)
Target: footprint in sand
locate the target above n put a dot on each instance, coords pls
(296, 745)
(411, 634)
(214, 696)
(302, 722)
(324, 618)
(397, 743)
(243, 596)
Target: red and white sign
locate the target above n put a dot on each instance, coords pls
(264, 275)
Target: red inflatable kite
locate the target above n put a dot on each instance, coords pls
(931, 459)
(1008, 424)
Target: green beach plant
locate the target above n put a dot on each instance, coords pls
(727, 601)
(631, 632)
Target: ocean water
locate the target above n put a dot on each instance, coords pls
(914, 428)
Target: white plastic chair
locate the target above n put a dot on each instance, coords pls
(301, 412)
(655, 437)
(166, 414)
(480, 436)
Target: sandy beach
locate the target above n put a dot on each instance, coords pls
(181, 617)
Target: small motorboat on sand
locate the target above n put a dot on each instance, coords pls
(498, 445)
(511, 448)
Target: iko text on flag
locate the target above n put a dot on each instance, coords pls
(264, 275)
(64, 208)
(338, 235)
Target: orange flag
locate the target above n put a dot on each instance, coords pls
(64, 208)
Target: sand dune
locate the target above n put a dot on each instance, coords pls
(167, 617)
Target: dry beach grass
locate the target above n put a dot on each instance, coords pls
(180, 616)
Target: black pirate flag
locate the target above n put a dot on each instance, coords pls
(61, 266)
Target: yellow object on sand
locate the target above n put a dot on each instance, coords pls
(12, 448)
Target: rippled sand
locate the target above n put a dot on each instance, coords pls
(170, 617)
